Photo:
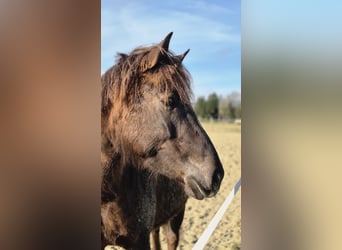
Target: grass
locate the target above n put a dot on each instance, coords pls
(236, 247)
(220, 127)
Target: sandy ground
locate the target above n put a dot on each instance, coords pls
(198, 214)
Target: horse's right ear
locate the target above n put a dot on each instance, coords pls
(154, 55)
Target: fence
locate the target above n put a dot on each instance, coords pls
(216, 219)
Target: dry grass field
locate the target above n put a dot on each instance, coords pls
(227, 141)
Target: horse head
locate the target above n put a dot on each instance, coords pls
(149, 122)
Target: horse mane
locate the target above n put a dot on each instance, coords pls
(123, 83)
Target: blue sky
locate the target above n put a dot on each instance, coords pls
(211, 29)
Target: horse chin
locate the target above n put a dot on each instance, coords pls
(196, 190)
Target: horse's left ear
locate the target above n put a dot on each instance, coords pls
(165, 43)
(154, 55)
(181, 57)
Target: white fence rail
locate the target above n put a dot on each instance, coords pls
(216, 219)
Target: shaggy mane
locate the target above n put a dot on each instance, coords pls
(123, 83)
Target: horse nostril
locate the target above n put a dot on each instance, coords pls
(217, 178)
(220, 176)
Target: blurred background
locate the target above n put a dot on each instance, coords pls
(50, 124)
(291, 140)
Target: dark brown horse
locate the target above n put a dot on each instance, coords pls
(155, 154)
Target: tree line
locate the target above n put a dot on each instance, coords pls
(219, 107)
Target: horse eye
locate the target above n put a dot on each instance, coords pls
(171, 102)
(150, 153)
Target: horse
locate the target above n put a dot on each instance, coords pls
(154, 152)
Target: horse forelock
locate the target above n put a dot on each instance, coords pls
(122, 84)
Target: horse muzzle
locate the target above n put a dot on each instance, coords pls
(199, 190)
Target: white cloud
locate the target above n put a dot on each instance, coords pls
(125, 27)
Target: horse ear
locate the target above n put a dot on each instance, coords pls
(154, 55)
(165, 43)
(151, 59)
(181, 57)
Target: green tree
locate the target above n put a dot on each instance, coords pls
(200, 107)
(234, 105)
(235, 99)
(238, 111)
(212, 106)
(231, 110)
(224, 112)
